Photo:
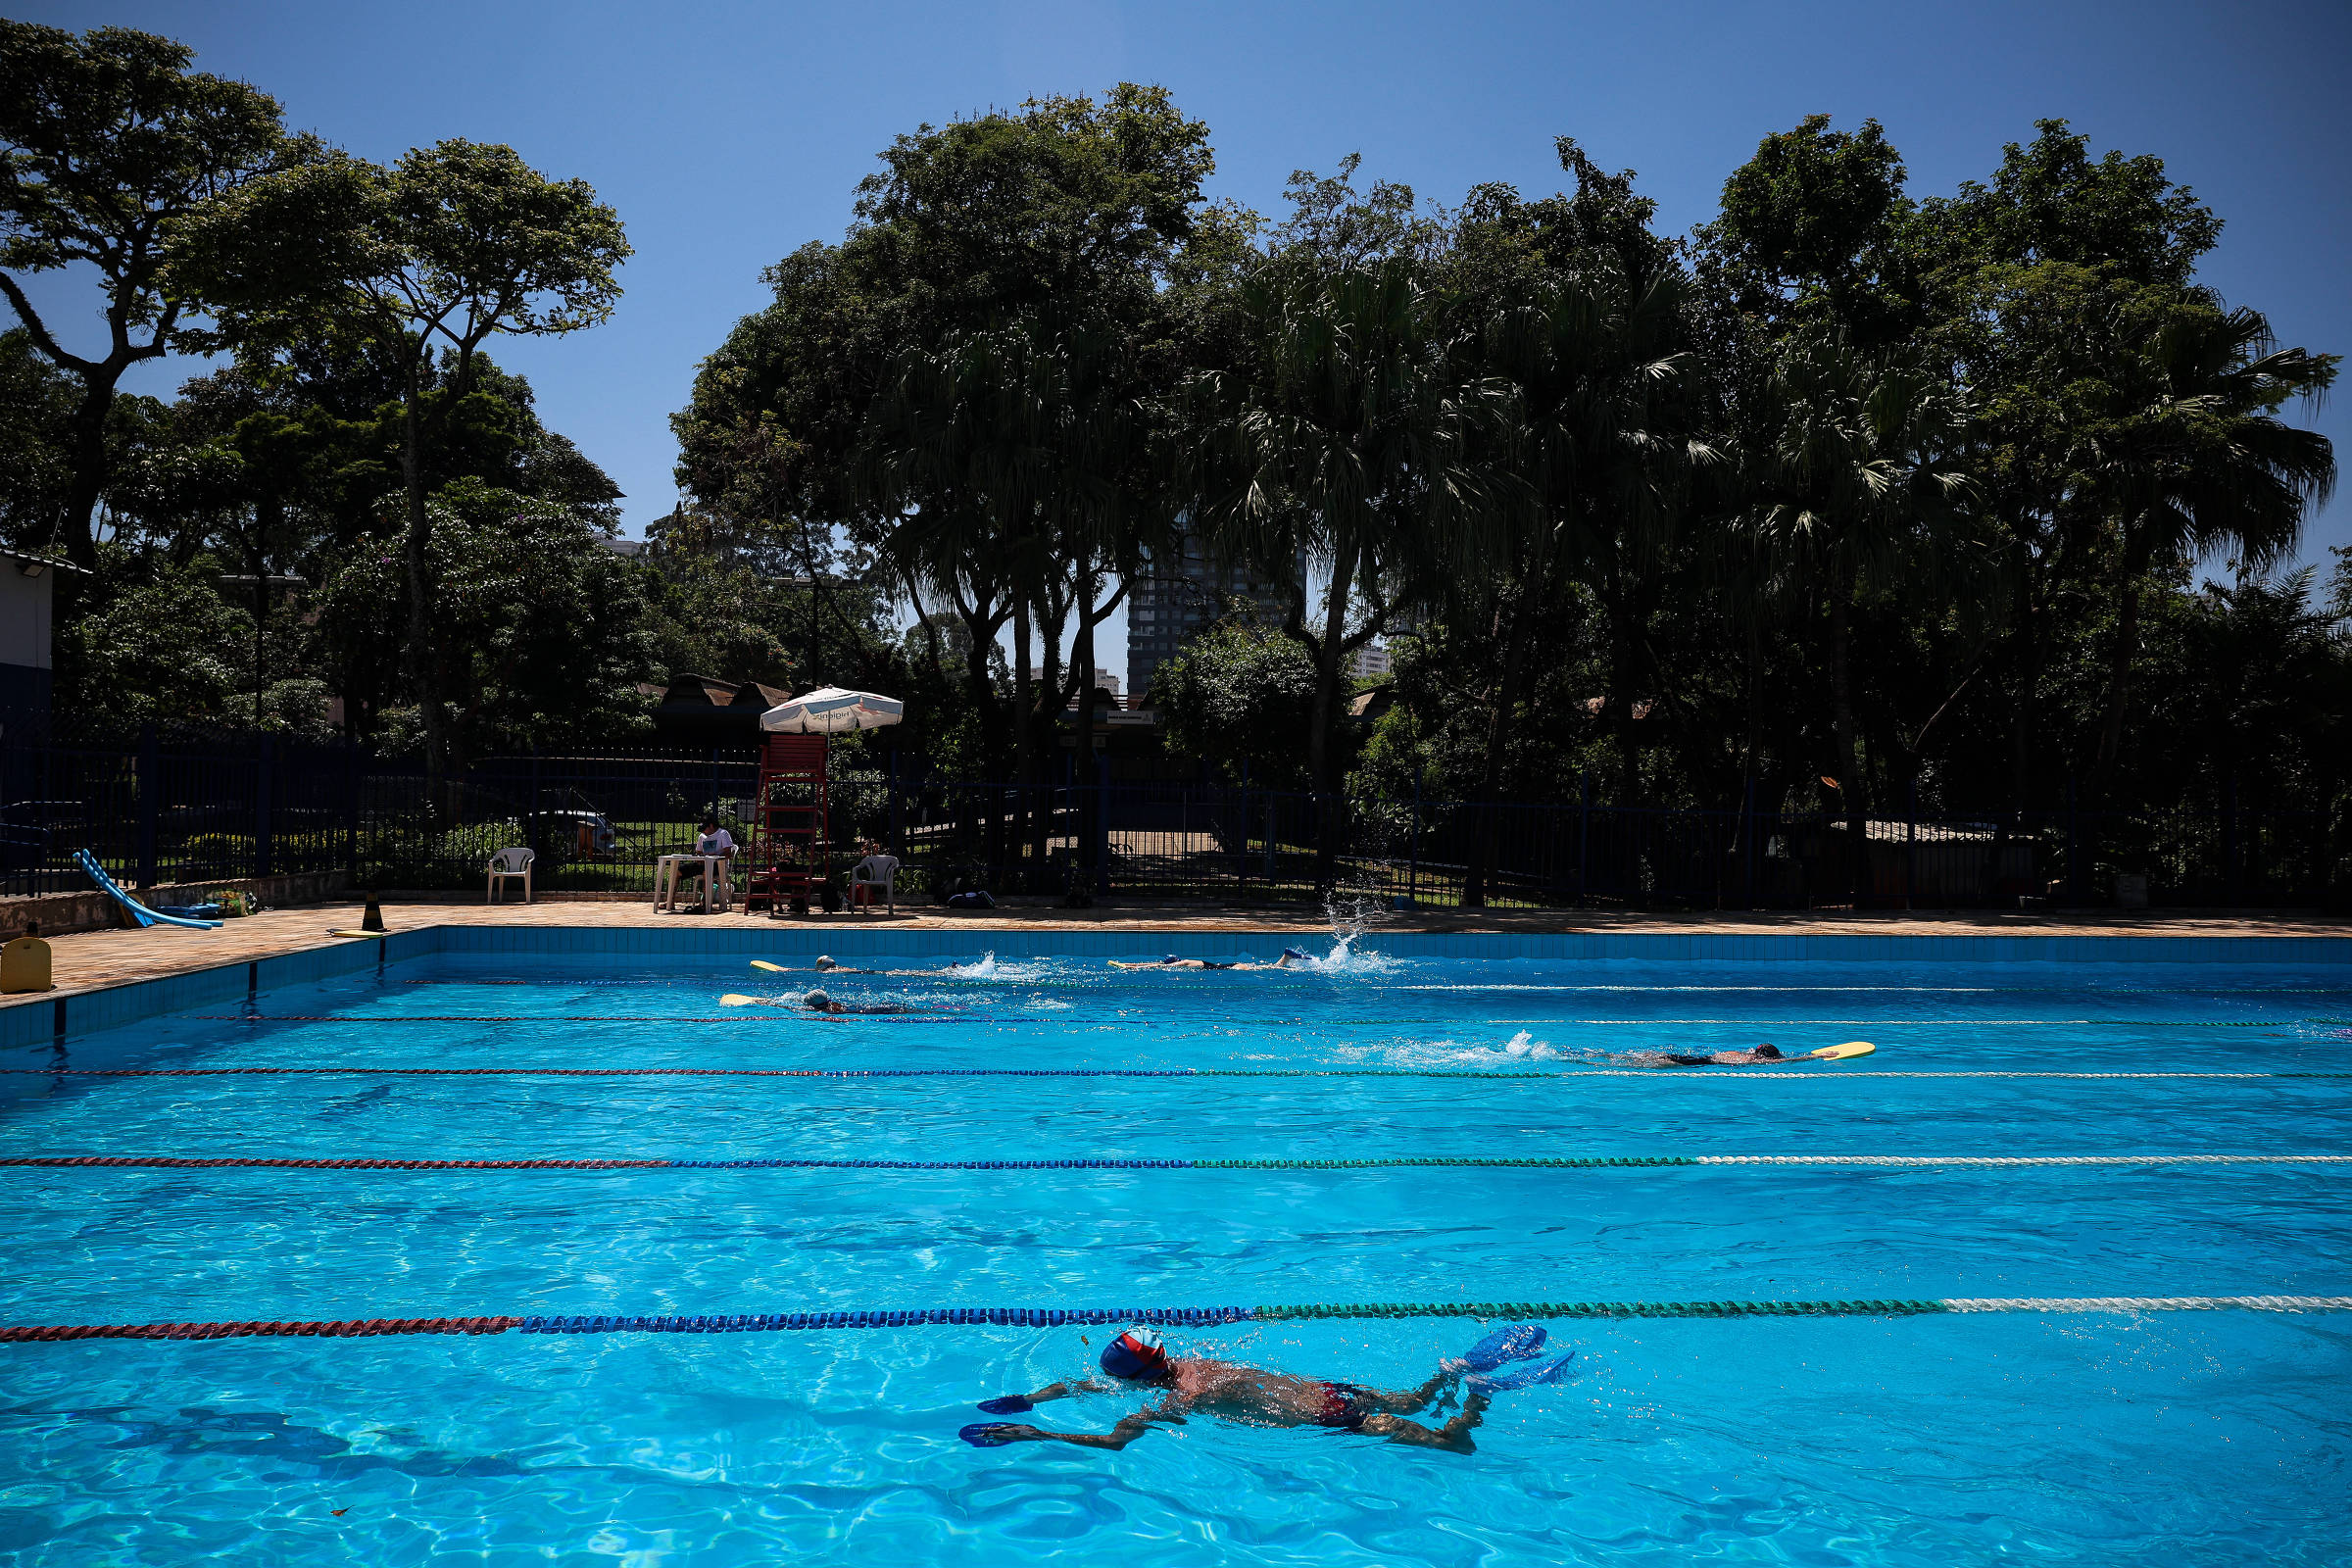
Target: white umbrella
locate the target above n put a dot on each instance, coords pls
(831, 710)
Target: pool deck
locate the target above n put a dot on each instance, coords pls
(92, 960)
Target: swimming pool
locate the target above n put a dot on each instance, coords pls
(2107, 1437)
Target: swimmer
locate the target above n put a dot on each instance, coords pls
(1253, 1396)
(819, 1002)
(1290, 957)
(1764, 1055)
(826, 965)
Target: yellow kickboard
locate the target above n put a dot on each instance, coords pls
(772, 968)
(736, 998)
(25, 965)
(377, 934)
(1853, 1048)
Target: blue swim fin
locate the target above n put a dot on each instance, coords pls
(985, 1434)
(1515, 1342)
(1009, 1405)
(1527, 1377)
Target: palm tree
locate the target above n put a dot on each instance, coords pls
(1336, 451)
(1601, 440)
(2196, 459)
(1017, 458)
(1855, 484)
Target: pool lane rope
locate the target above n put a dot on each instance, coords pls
(1394, 1163)
(795, 1013)
(1825, 1072)
(1165, 1317)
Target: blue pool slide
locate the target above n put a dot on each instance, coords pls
(138, 912)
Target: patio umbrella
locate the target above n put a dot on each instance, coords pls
(831, 710)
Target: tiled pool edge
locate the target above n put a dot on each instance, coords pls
(38, 1021)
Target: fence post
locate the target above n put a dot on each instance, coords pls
(264, 768)
(1747, 835)
(1584, 839)
(1412, 874)
(1910, 839)
(2073, 859)
(2231, 889)
(894, 838)
(1102, 826)
(150, 786)
(351, 810)
(533, 838)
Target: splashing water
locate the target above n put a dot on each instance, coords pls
(985, 969)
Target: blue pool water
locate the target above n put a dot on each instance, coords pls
(2180, 1438)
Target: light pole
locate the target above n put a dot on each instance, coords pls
(261, 586)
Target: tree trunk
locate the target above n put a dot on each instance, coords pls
(1320, 762)
(87, 442)
(1082, 766)
(1024, 731)
(1513, 616)
(423, 674)
(2028, 691)
(1851, 792)
(2118, 672)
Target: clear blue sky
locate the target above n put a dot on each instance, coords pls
(727, 134)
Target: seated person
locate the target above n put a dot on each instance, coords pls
(712, 840)
(870, 875)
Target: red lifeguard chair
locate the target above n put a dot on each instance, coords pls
(790, 852)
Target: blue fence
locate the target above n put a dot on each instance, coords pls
(157, 814)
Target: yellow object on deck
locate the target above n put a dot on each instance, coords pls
(25, 965)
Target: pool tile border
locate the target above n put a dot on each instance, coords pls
(31, 1024)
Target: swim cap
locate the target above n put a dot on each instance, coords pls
(824, 961)
(1292, 953)
(815, 998)
(1136, 1353)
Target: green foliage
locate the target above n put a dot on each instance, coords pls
(542, 631)
(157, 648)
(106, 142)
(36, 405)
(1241, 698)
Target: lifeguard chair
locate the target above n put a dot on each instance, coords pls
(790, 852)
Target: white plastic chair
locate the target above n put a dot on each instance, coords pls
(865, 874)
(511, 865)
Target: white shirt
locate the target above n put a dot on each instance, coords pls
(719, 841)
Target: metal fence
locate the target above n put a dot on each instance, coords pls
(162, 815)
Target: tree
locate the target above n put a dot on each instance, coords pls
(37, 472)
(1338, 449)
(452, 245)
(1859, 485)
(1578, 309)
(1237, 698)
(544, 632)
(2190, 459)
(106, 142)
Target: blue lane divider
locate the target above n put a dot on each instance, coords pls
(1036, 1317)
